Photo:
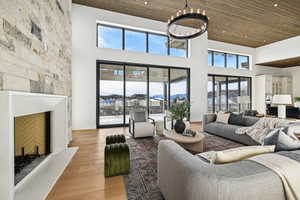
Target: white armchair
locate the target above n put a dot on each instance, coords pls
(140, 125)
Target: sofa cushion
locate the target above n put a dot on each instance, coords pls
(236, 119)
(249, 121)
(228, 131)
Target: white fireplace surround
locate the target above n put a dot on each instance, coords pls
(39, 182)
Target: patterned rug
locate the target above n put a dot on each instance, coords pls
(141, 183)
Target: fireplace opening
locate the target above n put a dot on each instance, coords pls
(32, 142)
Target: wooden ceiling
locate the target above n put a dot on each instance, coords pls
(250, 23)
(290, 62)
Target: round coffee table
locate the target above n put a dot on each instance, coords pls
(194, 144)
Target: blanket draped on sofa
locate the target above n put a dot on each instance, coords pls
(260, 129)
(286, 168)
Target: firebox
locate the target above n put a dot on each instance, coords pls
(32, 142)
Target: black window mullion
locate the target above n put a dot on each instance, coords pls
(225, 60)
(169, 87)
(147, 42)
(123, 39)
(239, 92)
(124, 95)
(214, 94)
(237, 61)
(148, 95)
(227, 94)
(213, 58)
(168, 46)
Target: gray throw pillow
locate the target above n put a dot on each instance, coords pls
(272, 137)
(286, 143)
(282, 141)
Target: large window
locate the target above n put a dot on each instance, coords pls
(227, 60)
(223, 93)
(158, 44)
(109, 37)
(140, 41)
(135, 41)
(122, 87)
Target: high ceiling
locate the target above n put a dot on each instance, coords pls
(250, 23)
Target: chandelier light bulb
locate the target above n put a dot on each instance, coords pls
(192, 10)
(203, 12)
(198, 11)
(184, 11)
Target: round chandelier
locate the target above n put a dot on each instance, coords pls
(187, 15)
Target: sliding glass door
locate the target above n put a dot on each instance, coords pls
(223, 93)
(111, 94)
(158, 92)
(122, 87)
(135, 89)
(178, 85)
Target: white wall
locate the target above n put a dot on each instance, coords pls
(284, 49)
(85, 54)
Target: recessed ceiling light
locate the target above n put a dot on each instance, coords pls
(265, 41)
(146, 2)
(275, 5)
(223, 31)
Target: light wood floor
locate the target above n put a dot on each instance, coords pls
(84, 178)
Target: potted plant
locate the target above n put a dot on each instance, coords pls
(297, 102)
(179, 111)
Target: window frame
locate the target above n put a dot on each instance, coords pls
(227, 96)
(225, 59)
(98, 25)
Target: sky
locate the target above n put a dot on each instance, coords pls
(110, 37)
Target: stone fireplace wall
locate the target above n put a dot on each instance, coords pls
(35, 47)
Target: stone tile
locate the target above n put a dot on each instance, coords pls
(11, 82)
(15, 33)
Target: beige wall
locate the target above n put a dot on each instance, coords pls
(27, 62)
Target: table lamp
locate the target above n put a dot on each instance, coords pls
(282, 100)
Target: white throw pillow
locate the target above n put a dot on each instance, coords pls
(241, 153)
(223, 117)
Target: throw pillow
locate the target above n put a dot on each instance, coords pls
(236, 119)
(282, 140)
(291, 129)
(286, 143)
(241, 153)
(272, 137)
(223, 117)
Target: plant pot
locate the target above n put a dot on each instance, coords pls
(179, 126)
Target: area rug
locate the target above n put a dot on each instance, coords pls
(141, 183)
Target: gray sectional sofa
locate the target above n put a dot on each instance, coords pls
(228, 130)
(183, 176)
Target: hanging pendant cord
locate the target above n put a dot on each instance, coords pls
(186, 4)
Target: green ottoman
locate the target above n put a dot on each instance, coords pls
(112, 139)
(117, 158)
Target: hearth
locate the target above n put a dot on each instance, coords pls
(32, 142)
